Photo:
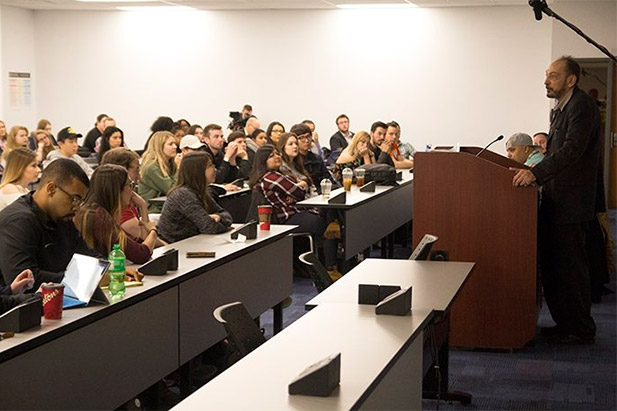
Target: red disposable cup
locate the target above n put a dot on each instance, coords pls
(53, 294)
(264, 212)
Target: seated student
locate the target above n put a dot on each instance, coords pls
(355, 155)
(315, 145)
(98, 219)
(37, 230)
(313, 163)
(17, 137)
(225, 158)
(158, 168)
(407, 150)
(292, 161)
(274, 131)
(89, 143)
(378, 144)
(190, 143)
(251, 125)
(521, 149)
(3, 136)
(162, 123)
(185, 125)
(395, 154)
(43, 145)
(256, 139)
(112, 137)
(134, 220)
(242, 157)
(197, 131)
(67, 141)
(540, 139)
(45, 126)
(21, 170)
(189, 209)
(13, 295)
(178, 132)
(283, 192)
(342, 138)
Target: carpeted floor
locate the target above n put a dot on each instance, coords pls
(538, 377)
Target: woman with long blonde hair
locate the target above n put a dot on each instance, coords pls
(110, 191)
(356, 154)
(18, 137)
(21, 170)
(158, 167)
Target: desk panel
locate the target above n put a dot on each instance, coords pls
(101, 365)
(375, 219)
(259, 279)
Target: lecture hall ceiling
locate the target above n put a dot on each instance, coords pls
(245, 4)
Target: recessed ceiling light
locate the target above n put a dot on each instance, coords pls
(117, 1)
(376, 5)
(155, 8)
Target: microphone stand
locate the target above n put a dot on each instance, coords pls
(547, 10)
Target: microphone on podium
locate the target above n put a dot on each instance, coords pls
(489, 144)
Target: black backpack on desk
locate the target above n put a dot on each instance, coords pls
(381, 174)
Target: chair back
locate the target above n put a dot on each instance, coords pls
(241, 329)
(319, 274)
(424, 247)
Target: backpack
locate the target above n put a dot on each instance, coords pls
(381, 174)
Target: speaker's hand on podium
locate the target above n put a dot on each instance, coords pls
(522, 178)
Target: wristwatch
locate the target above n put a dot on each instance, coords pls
(226, 159)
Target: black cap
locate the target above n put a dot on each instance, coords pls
(67, 132)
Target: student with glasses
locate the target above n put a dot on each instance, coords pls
(134, 220)
(111, 190)
(37, 230)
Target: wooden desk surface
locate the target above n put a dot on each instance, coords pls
(435, 284)
(369, 347)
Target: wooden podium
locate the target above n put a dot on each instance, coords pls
(470, 204)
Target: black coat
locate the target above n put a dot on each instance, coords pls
(338, 141)
(569, 172)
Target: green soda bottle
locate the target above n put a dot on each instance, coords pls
(116, 272)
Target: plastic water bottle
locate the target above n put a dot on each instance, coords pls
(116, 271)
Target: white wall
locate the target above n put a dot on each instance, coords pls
(18, 55)
(597, 19)
(447, 75)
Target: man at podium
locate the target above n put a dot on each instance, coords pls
(569, 176)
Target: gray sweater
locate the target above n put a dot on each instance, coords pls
(184, 216)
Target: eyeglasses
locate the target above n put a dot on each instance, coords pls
(75, 199)
(131, 184)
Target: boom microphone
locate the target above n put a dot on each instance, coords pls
(538, 7)
(489, 144)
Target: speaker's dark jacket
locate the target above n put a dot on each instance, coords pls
(569, 173)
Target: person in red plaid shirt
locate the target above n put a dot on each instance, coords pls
(283, 192)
